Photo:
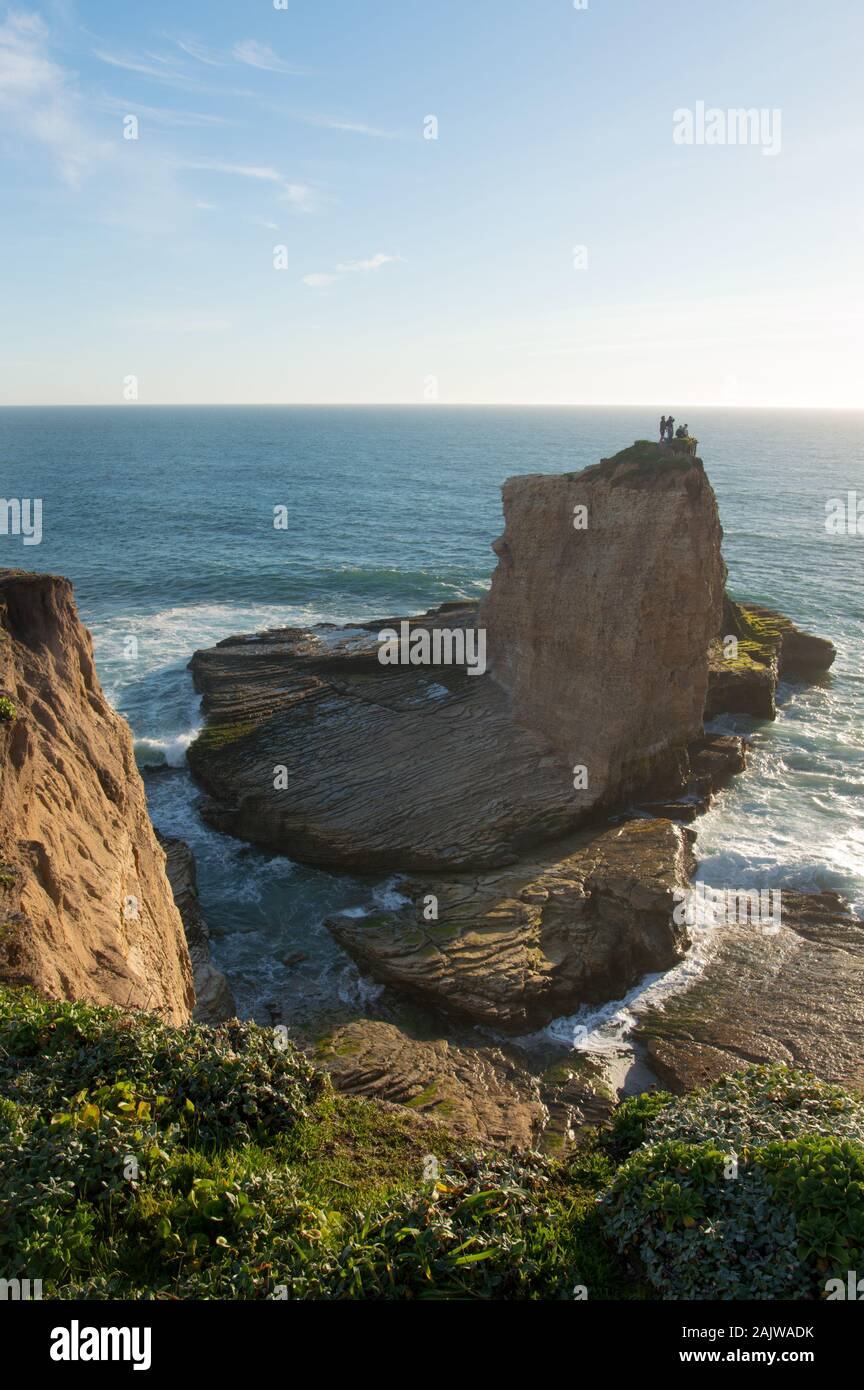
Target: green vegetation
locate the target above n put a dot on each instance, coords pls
(7, 709)
(760, 635)
(220, 735)
(137, 1160)
(750, 1188)
(141, 1161)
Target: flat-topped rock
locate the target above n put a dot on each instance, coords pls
(315, 749)
(608, 591)
(743, 674)
(515, 948)
(796, 997)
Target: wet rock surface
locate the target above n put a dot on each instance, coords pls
(214, 1002)
(795, 997)
(517, 947)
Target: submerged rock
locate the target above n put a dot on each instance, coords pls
(86, 911)
(517, 947)
(214, 1001)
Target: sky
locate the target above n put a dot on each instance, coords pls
(431, 201)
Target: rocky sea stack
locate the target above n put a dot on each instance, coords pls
(608, 592)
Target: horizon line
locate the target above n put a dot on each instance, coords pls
(429, 406)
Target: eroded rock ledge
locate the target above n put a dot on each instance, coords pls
(517, 947)
(795, 997)
(766, 648)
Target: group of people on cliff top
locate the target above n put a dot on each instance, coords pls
(667, 425)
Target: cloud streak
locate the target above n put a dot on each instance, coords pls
(40, 98)
(262, 56)
(321, 279)
(298, 195)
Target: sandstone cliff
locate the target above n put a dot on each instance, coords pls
(608, 591)
(86, 911)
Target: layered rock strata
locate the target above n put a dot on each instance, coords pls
(86, 911)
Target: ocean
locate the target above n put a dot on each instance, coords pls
(163, 518)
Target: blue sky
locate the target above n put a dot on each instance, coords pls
(419, 268)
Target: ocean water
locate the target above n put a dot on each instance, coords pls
(163, 519)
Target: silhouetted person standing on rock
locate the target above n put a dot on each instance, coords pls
(670, 423)
(662, 428)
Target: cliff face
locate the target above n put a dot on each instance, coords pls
(608, 592)
(86, 911)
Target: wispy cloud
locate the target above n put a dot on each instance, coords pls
(373, 263)
(40, 98)
(164, 73)
(265, 172)
(350, 127)
(200, 53)
(261, 55)
(299, 195)
(162, 115)
(320, 279)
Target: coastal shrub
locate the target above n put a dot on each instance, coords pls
(219, 1085)
(141, 1161)
(770, 1206)
(756, 1107)
(7, 709)
(630, 1122)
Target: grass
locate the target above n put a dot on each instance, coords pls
(141, 1161)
